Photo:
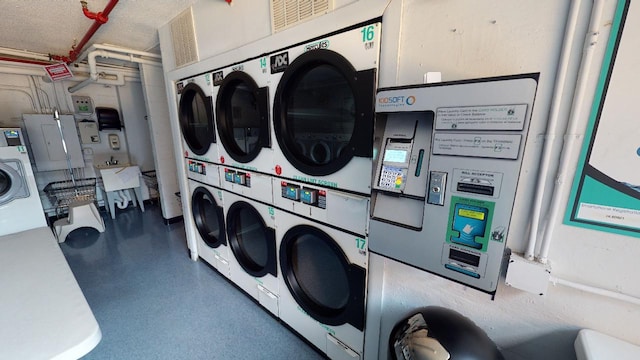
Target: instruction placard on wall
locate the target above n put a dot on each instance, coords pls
(606, 190)
(496, 146)
(492, 117)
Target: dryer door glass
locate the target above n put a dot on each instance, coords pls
(196, 119)
(251, 240)
(320, 277)
(242, 116)
(320, 272)
(5, 182)
(320, 114)
(323, 112)
(208, 217)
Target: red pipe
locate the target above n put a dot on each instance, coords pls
(100, 18)
(25, 61)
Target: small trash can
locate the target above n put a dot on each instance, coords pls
(437, 333)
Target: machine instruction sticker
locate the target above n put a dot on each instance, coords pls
(491, 117)
(494, 146)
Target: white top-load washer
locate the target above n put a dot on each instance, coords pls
(244, 130)
(20, 205)
(323, 108)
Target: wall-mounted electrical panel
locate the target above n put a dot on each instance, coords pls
(448, 164)
(46, 142)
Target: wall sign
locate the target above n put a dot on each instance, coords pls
(58, 71)
(606, 189)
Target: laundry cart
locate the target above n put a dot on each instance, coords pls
(63, 193)
(76, 199)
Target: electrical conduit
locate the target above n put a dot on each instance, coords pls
(545, 161)
(557, 201)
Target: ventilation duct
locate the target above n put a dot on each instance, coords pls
(285, 13)
(183, 36)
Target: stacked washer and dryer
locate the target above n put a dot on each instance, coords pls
(196, 117)
(294, 154)
(246, 155)
(323, 120)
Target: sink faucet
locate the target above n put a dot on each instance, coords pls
(112, 161)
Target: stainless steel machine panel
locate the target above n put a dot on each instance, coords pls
(447, 172)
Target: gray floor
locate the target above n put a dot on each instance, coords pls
(153, 302)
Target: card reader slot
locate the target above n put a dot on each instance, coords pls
(475, 188)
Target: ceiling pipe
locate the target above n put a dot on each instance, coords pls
(91, 60)
(102, 80)
(94, 75)
(24, 61)
(24, 54)
(99, 19)
(118, 49)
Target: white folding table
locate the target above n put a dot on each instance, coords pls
(43, 312)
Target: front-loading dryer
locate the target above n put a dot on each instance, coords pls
(20, 205)
(207, 216)
(253, 260)
(323, 109)
(323, 284)
(196, 118)
(244, 131)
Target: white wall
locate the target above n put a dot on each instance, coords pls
(25, 89)
(466, 39)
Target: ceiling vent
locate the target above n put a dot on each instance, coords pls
(285, 13)
(183, 35)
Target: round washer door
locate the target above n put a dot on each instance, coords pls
(253, 243)
(324, 112)
(196, 119)
(10, 184)
(320, 277)
(242, 115)
(208, 217)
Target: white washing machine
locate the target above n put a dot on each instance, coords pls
(196, 118)
(244, 130)
(20, 205)
(323, 284)
(207, 216)
(253, 260)
(323, 109)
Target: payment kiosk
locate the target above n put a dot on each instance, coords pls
(446, 172)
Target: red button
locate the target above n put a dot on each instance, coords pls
(221, 159)
(278, 170)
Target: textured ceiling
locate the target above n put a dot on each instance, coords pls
(53, 26)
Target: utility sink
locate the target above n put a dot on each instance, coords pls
(119, 177)
(111, 166)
